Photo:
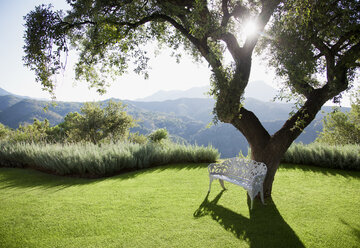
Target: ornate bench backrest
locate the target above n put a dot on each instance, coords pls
(238, 167)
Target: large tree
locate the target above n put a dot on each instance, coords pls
(306, 38)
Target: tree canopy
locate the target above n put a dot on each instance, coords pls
(109, 34)
(96, 124)
(314, 45)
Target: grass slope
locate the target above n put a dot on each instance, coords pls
(169, 207)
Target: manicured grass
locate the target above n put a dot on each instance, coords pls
(169, 207)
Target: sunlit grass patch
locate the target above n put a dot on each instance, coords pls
(169, 206)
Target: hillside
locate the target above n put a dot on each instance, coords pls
(186, 119)
(256, 89)
(4, 92)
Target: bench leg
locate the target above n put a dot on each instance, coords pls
(262, 196)
(251, 196)
(222, 183)
(211, 179)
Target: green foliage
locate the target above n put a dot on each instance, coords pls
(96, 124)
(338, 157)
(45, 41)
(3, 132)
(309, 40)
(158, 135)
(37, 132)
(248, 156)
(137, 138)
(341, 128)
(108, 35)
(100, 160)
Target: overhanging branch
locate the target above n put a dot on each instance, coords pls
(350, 57)
(344, 38)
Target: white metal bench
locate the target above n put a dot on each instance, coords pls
(244, 172)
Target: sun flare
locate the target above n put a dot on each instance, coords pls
(250, 28)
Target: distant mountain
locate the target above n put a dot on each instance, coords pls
(186, 119)
(7, 101)
(163, 95)
(260, 90)
(16, 110)
(4, 92)
(256, 89)
(201, 108)
(196, 108)
(7, 93)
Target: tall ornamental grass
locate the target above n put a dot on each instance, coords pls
(100, 160)
(338, 157)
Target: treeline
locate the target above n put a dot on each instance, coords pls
(95, 124)
(337, 146)
(93, 143)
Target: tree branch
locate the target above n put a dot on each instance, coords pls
(232, 44)
(251, 127)
(294, 126)
(301, 86)
(76, 24)
(239, 10)
(344, 38)
(268, 8)
(226, 14)
(350, 57)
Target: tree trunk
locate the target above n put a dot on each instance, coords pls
(271, 156)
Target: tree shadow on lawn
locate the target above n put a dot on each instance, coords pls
(354, 229)
(32, 178)
(264, 228)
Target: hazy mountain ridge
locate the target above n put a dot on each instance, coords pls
(4, 92)
(185, 119)
(255, 89)
(163, 95)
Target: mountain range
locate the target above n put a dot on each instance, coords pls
(186, 119)
(267, 93)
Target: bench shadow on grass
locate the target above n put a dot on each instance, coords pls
(264, 228)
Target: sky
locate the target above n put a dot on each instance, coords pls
(165, 73)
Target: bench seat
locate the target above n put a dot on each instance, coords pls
(246, 173)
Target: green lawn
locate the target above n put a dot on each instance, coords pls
(169, 207)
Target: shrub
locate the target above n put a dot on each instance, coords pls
(338, 157)
(137, 138)
(100, 160)
(3, 131)
(158, 135)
